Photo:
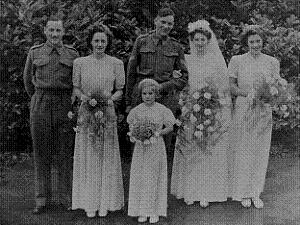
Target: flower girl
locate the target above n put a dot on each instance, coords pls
(148, 122)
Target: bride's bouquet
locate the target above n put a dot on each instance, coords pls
(143, 131)
(201, 120)
(94, 113)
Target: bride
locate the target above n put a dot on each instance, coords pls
(197, 175)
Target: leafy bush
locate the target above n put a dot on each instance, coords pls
(22, 24)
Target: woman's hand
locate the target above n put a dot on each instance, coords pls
(110, 102)
(84, 97)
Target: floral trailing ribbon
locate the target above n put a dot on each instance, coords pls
(201, 121)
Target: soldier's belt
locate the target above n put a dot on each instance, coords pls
(54, 91)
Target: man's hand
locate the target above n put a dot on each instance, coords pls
(128, 108)
(73, 98)
(177, 73)
(84, 98)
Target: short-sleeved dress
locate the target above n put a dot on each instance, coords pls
(97, 174)
(251, 144)
(148, 174)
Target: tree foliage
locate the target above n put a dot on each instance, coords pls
(22, 23)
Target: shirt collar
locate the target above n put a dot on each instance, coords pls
(49, 47)
(156, 38)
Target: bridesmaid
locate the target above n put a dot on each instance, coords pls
(251, 144)
(97, 175)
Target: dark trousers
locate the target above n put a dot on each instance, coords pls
(53, 141)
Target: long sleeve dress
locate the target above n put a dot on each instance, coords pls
(148, 174)
(251, 144)
(197, 175)
(97, 173)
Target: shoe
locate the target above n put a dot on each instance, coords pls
(258, 203)
(154, 219)
(204, 204)
(38, 210)
(189, 202)
(246, 202)
(142, 219)
(90, 214)
(102, 214)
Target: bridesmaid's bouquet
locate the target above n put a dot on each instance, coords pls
(200, 120)
(143, 131)
(94, 113)
(272, 91)
(276, 93)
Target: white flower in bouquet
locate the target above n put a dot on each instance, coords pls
(251, 94)
(106, 93)
(207, 112)
(93, 102)
(283, 107)
(222, 101)
(210, 129)
(184, 110)
(147, 142)
(289, 97)
(198, 134)
(207, 122)
(193, 119)
(70, 114)
(76, 129)
(200, 127)
(283, 82)
(178, 122)
(99, 114)
(273, 91)
(180, 102)
(286, 114)
(275, 108)
(185, 127)
(196, 108)
(196, 95)
(270, 80)
(207, 95)
(153, 140)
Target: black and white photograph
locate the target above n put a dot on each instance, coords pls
(167, 112)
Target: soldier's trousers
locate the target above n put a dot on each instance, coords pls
(53, 141)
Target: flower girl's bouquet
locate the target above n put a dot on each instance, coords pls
(94, 112)
(143, 131)
(201, 121)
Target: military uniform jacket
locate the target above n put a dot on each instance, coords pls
(155, 58)
(49, 68)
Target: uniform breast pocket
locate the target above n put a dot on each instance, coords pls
(66, 66)
(147, 58)
(169, 60)
(40, 64)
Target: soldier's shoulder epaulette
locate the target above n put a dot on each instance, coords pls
(175, 40)
(70, 48)
(143, 36)
(37, 46)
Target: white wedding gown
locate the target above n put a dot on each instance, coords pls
(196, 175)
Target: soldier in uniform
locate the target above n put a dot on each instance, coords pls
(160, 57)
(48, 82)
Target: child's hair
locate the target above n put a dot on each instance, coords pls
(149, 83)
